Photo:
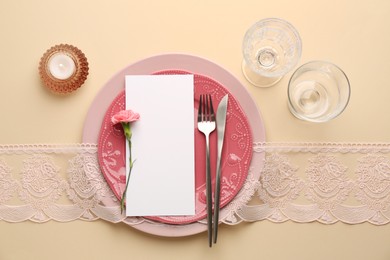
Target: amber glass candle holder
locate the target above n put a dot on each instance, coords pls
(63, 68)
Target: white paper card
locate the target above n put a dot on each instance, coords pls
(162, 182)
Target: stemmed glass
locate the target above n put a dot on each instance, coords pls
(271, 48)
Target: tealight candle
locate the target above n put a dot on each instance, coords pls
(61, 66)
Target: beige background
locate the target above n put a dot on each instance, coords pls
(112, 34)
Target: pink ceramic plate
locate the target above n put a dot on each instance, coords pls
(236, 155)
(195, 65)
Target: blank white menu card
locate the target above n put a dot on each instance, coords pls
(162, 182)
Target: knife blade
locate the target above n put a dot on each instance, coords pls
(221, 123)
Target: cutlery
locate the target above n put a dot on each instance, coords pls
(206, 125)
(221, 123)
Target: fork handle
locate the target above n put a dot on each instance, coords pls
(209, 193)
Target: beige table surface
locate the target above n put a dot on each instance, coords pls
(353, 34)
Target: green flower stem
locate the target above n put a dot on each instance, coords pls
(127, 131)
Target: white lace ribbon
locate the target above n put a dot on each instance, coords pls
(42, 182)
(324, 182)
(302, 182)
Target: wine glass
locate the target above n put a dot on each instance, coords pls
(271, 48)
(318, 91)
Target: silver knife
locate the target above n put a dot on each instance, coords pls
(221, 123)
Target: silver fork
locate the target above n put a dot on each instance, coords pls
(206, 125)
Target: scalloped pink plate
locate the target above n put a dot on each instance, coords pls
(196, 65)
(236, 156)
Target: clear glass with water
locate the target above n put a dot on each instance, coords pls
(318, 91)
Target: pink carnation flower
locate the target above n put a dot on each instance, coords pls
(125, 116)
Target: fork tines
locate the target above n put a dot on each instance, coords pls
(206, 110)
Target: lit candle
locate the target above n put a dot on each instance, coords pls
(61, 66)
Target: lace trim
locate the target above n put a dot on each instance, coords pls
(324, 182)
(302, 182)
(47, 148)
(330, 147)
(54, 182)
